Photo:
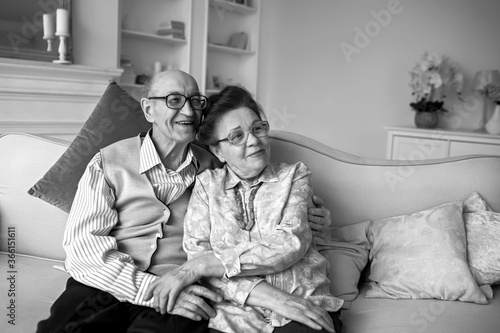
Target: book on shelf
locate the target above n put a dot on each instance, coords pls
(175, 29)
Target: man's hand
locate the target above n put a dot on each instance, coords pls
(190, 303)
(167, 288)
(319, 217)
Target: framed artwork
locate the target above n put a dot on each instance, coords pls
(22, 29)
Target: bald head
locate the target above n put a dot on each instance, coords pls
(169, 81)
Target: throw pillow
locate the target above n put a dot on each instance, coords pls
(116, 116)
(475, 203)
(483, 239)
(346, 249)
(422, 255)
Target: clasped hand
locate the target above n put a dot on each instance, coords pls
(177, 293)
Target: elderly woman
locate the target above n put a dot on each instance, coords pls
(252, 215)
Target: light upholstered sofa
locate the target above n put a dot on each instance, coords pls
(355, 190)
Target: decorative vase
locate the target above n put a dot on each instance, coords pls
(424, 119)
(493, 125)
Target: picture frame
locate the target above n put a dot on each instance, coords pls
(21, 30)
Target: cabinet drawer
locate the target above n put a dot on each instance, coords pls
(466, 148)
(413, 149)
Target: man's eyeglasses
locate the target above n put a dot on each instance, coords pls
(177, 101)
(239, 137)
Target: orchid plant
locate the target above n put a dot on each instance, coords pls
(432, 77)
(492, 92)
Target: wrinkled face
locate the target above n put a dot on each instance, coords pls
(251, 157)
(178, 126)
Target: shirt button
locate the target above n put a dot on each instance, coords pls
(153, 246)
(158, 235)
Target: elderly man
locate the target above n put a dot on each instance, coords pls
(124, 234)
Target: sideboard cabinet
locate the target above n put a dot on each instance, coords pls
(407, 143)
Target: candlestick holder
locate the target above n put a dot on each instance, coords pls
(50, 43)
(63, 49)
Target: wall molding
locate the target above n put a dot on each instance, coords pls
(35, 80)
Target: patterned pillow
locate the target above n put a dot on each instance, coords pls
(475, 203)
(482, 228)
(483, 246)
(422, 255)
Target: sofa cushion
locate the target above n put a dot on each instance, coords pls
(116, 116)
(422, 255)
(382, 315)
(346, 249)
(37, 285)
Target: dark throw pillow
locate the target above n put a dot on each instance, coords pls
(116, 116)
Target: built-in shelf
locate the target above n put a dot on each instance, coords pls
(227, 49)
(152, 37)
(232, 7)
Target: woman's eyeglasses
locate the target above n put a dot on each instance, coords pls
(239, 137)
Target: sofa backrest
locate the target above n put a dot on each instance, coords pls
(357, 189)
(39, 226)
(354, 189)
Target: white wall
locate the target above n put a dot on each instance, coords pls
(308, 86)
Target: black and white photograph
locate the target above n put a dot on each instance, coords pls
(250, 166)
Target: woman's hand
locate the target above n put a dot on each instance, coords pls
(289, 306)
(319, 217)
(304, 311)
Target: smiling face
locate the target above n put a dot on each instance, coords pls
(250, 158)
(175, 126)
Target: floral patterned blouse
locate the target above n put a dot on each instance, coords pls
(278, 248)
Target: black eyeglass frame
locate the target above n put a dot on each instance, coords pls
(204, 98)
(262, 122)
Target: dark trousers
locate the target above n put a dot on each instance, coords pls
(81, 309)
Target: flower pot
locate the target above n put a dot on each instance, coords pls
(424, 119)
(493, 125)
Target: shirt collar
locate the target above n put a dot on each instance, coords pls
(149, 157)
(268, 175)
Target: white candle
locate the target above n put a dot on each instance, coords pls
(62, 22)
(48, 26)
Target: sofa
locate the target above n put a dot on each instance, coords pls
(355, 189)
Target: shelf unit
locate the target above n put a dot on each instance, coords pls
(152, 37)
(143, 47)
(217, 21)
(204, 53)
